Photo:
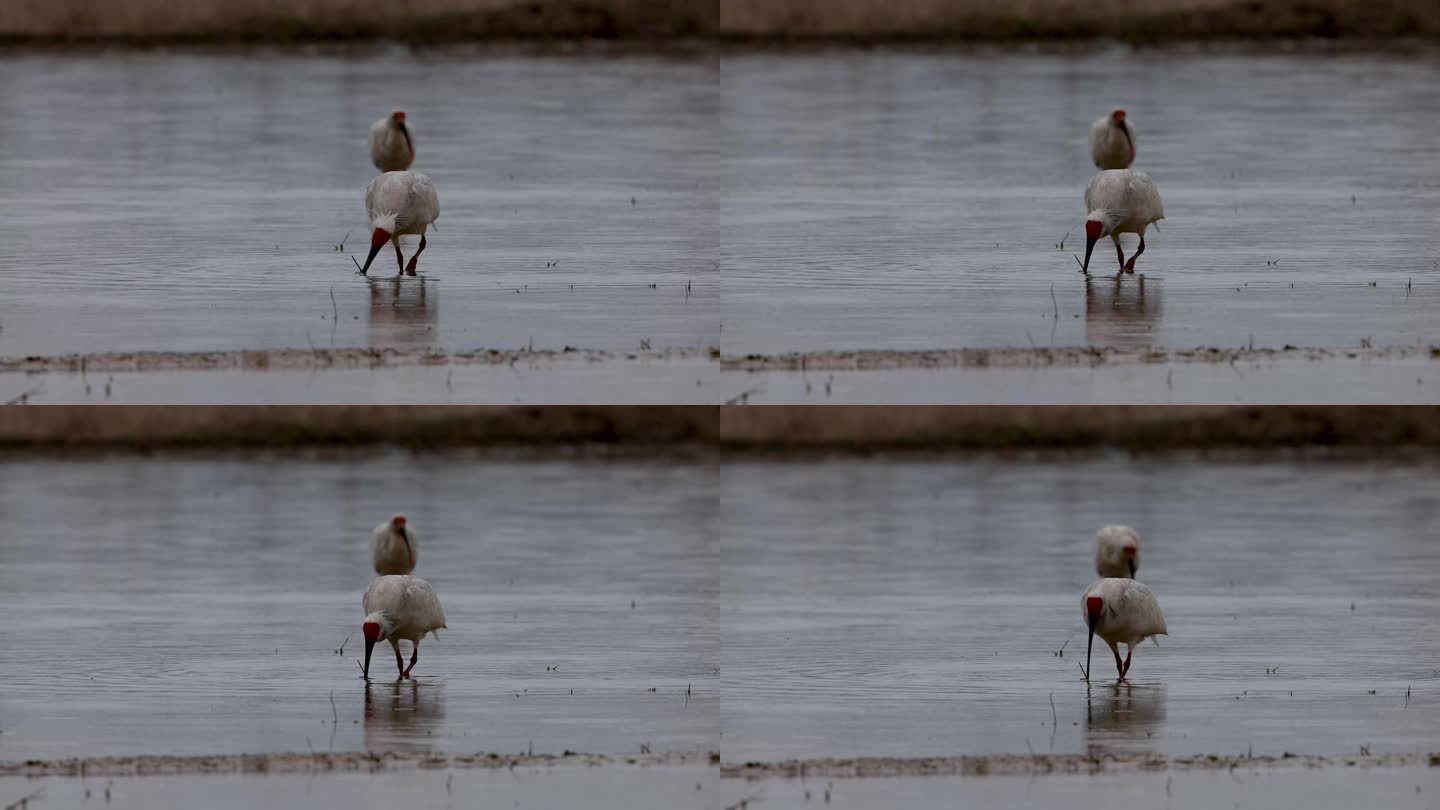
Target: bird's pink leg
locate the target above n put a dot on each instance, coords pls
(1120, 254)
(416, 257)
(399, 262)
(1128, 653)
(1119, 667)
(1130, 265)
(400, 662)
(414, 656)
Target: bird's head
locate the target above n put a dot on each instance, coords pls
(377, 627)
(397, 120)
(384, 225)
(1117, 117)
(1100, 223)
(397, 524)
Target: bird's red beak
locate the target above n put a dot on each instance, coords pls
(372, 635)
(1093, 606)
(1092, 235)
(377, 241)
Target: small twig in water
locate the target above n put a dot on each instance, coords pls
(358, 268)
(1055, 303)
(24, 801)
(1082, 265)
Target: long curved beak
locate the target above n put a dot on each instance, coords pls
(410, 552)
(1131, 561)
(369, 648)
(375, 249)
(1085, 268)
(404, 130)
(1089, 643)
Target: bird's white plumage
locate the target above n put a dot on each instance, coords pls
(394, 547)
(402, 203)
(1124, 200)
(392, 143)
(1109, 546)
(1130, 612)
(408, 606)
(1112, 141)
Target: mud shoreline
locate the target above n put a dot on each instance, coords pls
(1041, 764)
(155, 765)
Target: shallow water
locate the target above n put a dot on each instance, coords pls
(1336, 788)
(206, 211)
(193, 605)
(617, 381)
(1409, 381)
(914, 199)
(605, 788)
(915, 608)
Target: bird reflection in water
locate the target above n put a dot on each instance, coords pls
(1121, 312)
(403, 314)
(403, 715)
(1124, 718)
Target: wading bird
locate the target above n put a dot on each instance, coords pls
(400, 607)
(1120, 201)
(400, 203)
(1120, 611)
(392, 144)
(1117, 552)
(394, 548)
(1112, 142)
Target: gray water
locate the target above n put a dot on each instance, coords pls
(914, 199)
(1329, 789)
(189, 605)
(916, 608)
(604, 788)
(190, 201)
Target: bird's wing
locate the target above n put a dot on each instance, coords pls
(1144, 609)
(388, 194)
(423, 199)
(1146, 196)
(426, 604)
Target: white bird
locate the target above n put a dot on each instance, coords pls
(394, 547)
(1112, 141)
(1117, 551)
(1120, 611)
(1120, 201)
(400, 203)
(392, 144)
(400, 607)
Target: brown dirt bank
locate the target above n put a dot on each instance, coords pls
(1039, 764)
(1132, 20)
(1039, 357)
(280, 426)
(322, 359)
(420, 21)
(830, 428)
(346, 761)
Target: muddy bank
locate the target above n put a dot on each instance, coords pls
(425, 21)
(416, 426)
(317, 359)
(1134, 20)
(1037, 764)
(1042, 357)
(343, 761)
(1136, 428)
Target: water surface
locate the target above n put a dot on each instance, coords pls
(916, 608)
(915, 199)
(195, 605)
(194, 201)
